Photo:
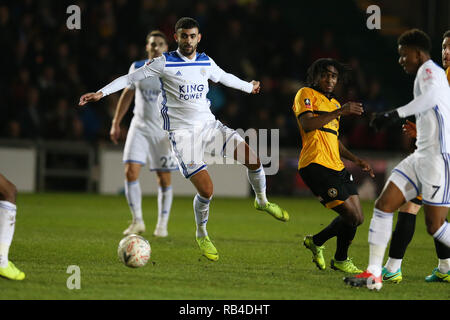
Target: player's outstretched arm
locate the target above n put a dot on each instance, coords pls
(364, 165)
(90, 97)
(309, 122)
(121, 109)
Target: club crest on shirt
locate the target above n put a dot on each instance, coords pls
(332, 192)
(203, 71)
(307, 102)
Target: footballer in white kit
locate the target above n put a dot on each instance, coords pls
(146, 139)
(193, 129)
(146, 142)
(425, 172)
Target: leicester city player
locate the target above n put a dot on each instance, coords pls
(146, 140)
(193, 129)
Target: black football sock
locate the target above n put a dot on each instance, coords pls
(329, 232)
(402, 235)
(344, 239)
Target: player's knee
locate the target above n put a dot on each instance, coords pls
(131, 174)
(206, 191)
(433, 226)
(164, 180)
(9, 192)
(383, 204)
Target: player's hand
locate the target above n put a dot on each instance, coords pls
(352, 108)
(365, 166)
(114, 133)
(256, 87)
(90, 97)
(410, 129)
(384, 119)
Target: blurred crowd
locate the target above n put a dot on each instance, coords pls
(46, 67)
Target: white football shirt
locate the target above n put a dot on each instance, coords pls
(431, 106)
(146, 110)
(184, 86)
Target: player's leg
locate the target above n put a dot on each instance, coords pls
(163, 161)
(188, 148)
(352, 216)
(165, 197)
(438, 227)
(441, 273)
(133, 195)
(8, 208)
(380, 230)
(257, 179)
(401, 237)
(135, 156)
(203, 183)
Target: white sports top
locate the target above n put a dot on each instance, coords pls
(431, 106)
(184, 86)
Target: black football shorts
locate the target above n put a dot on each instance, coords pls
(330, 186)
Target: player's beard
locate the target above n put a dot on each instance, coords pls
(188, 50)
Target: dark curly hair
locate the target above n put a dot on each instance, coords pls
(320, 66)
(415, 38)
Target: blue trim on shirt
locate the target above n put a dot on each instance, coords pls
(201, 57)
(172, 56)
(139, 64)
(187, 64)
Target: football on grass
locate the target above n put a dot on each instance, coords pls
(134, 251)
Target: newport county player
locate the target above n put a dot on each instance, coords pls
(320, 165)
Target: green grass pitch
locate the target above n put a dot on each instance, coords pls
(260, 258)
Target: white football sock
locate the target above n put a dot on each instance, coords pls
(444, 265)
(201, 211)
(7, 224)
(165, 197)
(392, 265)
(380, 231)
(443, 234)
(257, 179)
(133, 194)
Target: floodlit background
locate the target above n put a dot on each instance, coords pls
(49, 144)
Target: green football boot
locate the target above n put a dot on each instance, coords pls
(345, 266)
(437, 276)
(11, 272)
(207, 248)
(316, 251)
(394, 277)
(274, 210)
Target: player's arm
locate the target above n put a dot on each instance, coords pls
(365, 166)
(152, 68)
(231, 81)
(122, 107)
(309, 122)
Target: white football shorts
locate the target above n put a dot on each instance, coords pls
(426, 176)
(191, 145)
(144, 143)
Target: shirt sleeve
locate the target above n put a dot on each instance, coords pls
(216, 71)
(433, 92)
(154, 67)
(303, 102)
(131, 70)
